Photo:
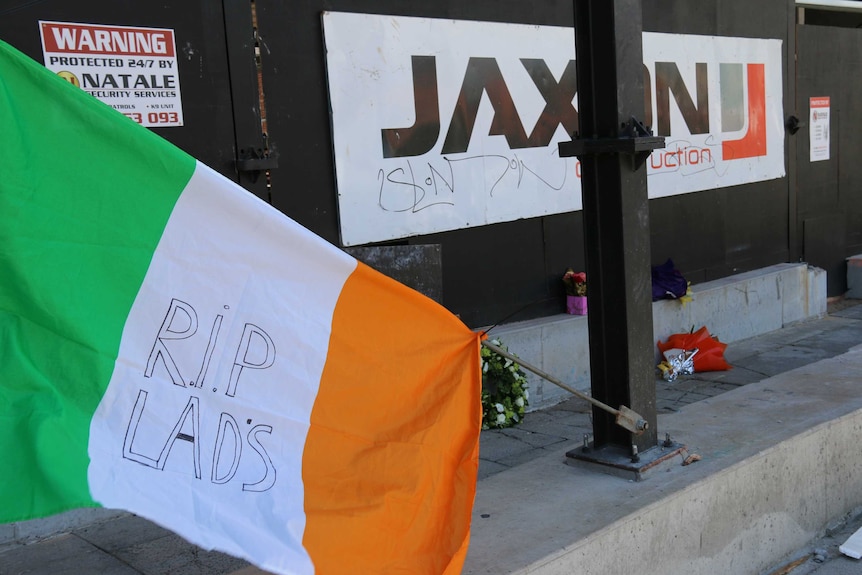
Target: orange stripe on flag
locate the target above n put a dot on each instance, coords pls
(390, 463)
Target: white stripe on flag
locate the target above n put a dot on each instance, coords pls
(232, 326)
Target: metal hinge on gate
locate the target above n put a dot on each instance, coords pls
(255, 160)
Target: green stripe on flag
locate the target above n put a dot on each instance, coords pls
(84, 196)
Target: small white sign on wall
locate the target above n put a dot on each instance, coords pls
(818, 120)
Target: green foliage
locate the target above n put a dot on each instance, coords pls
(504, 390)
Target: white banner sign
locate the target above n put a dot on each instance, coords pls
(133, 70)
(446, 124)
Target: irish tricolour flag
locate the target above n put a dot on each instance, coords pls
(172, 346)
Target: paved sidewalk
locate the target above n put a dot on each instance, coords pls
(753, 360)
(129, 545)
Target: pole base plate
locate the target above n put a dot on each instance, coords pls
(616, 460)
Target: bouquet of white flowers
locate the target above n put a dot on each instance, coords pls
(504, 390)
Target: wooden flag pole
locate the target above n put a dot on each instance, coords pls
(625, 417)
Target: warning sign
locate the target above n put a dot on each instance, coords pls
(133, 70)
(818, 134)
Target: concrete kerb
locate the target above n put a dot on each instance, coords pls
(733, 309)
(781, 458)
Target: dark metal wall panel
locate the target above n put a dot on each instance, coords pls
(850, 145)
(497, 272)
(488, 272)
(681, 17)
(294, 82)
(564, 242)
(207, 132)
(823, 237)
(246, 98)
(755, 227)
(201, 53)
(791, 113)
(715, 233)
(818, 181)
(757, 223)
(686, 230)
(762, 19)
(493, 271)
(832, 18)
(418, 267)
(294, 77)
(830, 191)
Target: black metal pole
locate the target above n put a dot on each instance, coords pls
(611, 146)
